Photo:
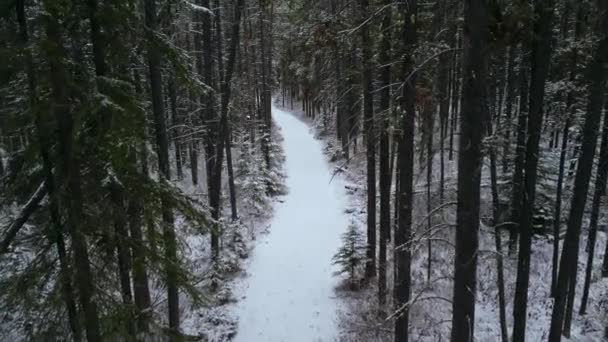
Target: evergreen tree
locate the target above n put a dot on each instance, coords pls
(351, 254)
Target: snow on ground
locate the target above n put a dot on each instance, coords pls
(289, 295)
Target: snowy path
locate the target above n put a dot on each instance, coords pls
(290, 290)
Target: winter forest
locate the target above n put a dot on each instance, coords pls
(304, 170)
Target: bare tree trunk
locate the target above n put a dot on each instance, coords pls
(385, 172)
(140, 274)
(469, 170)
(429, 125)
(403, 233)
(520, 154)
(123, 252)
(176, 130)
(444, 100)
(456, 95)
(496, 218)
(368, 114)
(510, 98)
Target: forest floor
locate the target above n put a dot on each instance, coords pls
(362, 320)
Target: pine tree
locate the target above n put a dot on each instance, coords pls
(469, 171)
(351, 254)
(403, 232)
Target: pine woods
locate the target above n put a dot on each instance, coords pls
(475, 121)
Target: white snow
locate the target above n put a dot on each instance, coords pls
(289, 295)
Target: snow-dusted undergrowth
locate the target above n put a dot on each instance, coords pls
(222, 286)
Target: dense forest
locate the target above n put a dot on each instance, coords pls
(140, 157)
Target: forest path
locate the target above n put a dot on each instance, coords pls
(290, 290)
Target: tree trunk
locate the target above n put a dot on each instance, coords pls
(123, 252)
(427, 112)
(140, 274)
(510, 98)
(228, 140)
(222, 127)
(597, 73)
(540, 61)
(444, 104)
(368, 114)
(557, 220)
(469, 170)
(233, 206)
(403, 233)
(193, 153)
(176, 130)
(154, 64)
(456, 95)
(496, 218)
(265, 95)
(520, 153)
(207, 70)
(385, 172)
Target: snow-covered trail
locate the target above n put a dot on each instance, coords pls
(290, 290)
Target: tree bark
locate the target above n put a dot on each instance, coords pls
(520, 152)
(140, 274)
(385, 172)
(123, 252)
(368, 115)
(206, 70)
(469, 170)
(456, 95)
(496, 218)
(403, 233)
(171, 88)
(510, 98)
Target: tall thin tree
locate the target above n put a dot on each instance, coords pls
(540, 61)
(403, 232)
(469, 169)
(370, 137)
(385, 172)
